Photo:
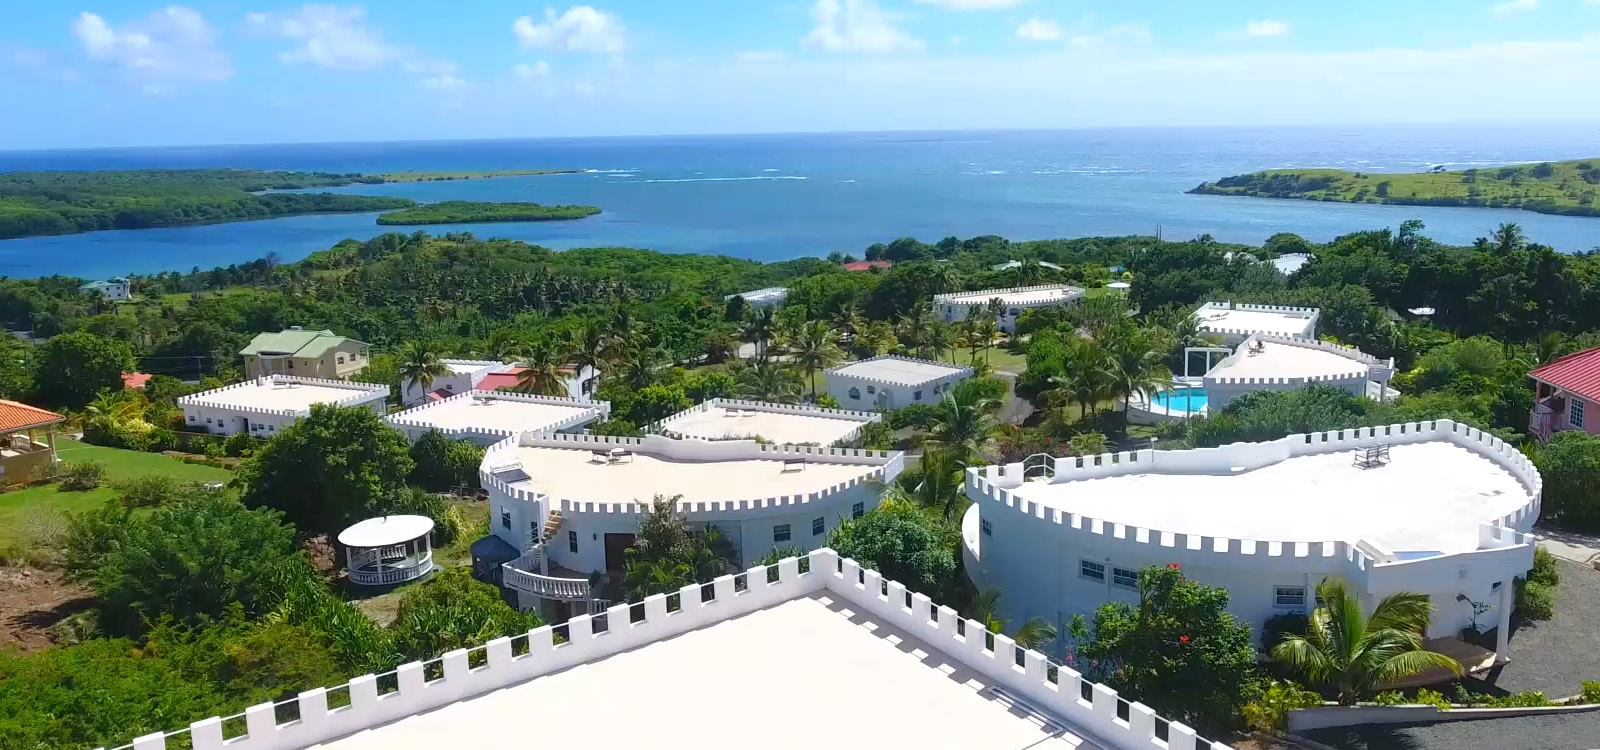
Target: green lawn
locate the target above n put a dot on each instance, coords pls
(21, 508)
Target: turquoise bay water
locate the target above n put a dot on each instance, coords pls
(1182, 399)
(773, 197)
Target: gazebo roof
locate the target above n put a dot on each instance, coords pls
(385, 531)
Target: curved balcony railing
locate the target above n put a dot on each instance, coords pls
(523, 574)
(368, 576)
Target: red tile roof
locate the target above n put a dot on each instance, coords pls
(15, 416)
(1576, 373)
(135, 380)
(494, 381)
(867, 265)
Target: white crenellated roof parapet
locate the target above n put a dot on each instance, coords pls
(886, 465)
(1310, 314)
(1085, 708)
(964, 371)
(360, 393)
(954, 298)
(592, 410)
(996, 482)
(808, 410)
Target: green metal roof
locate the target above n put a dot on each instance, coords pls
(293, 342)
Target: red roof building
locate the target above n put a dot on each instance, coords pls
(25, 448)
(867, 265)
(1567, 389)
(135, 380)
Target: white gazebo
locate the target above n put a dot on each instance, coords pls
(388, 550)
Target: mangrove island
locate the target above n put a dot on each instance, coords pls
(1558, 187)
(474, 212)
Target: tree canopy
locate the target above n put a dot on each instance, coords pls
(337, 466)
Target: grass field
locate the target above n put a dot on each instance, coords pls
(20, 508)
(180, 300)
(1560, 187)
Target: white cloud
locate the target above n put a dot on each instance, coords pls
(1039, 30)
(1511, 7)
(580, 29)
(1266, 28)
(443, 82)
(328, 36)
(172, 44)
(540, 69)
(856, 26)
(972, 4)
(1123, 33)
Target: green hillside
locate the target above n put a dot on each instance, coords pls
(1559, 187)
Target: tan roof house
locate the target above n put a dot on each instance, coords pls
(304, 353)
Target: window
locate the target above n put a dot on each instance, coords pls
(505, 518)
(987, 529)
(291, 364)
(1289, 597)
(533, 531)
(1495, 589)
(193, 418)
(916, 396)
(818, 525)
(871, 389)
(572, 541)
(1015, 312)
(1091, 570)
(1128, 579)
(1575, 412)
(341, 359)
(208, 420)
(858, 510)
(855, 393)
(780, 533)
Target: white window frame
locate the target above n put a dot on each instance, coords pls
(505, 518)
(1091, 570)
(1121, 579)
(572, 541)
(1575, 408)
(1289, 597)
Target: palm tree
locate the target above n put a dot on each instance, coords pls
(593, 346)
(814, 348)
(1033, 635)
(541, 372)
(987, 330)
(1088, 375)
(941, 338)
(914, 325)
(848, 319)
(505, 345)
(768, 381)
(941, 485)
(638, 366)
(759, 328)
(420, 364)
(1356, 654)
(1137, 365)
(1509, 237)
(964, 426)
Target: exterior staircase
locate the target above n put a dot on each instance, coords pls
(552, 526)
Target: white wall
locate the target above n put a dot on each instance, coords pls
(261, 423)
(875, 394)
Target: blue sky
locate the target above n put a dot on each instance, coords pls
(129, 72)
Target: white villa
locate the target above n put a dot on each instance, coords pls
(1434, 507)
(771, 296)
(263, 406)
(1234, 323)
(867, 662)
(1265, 362)
(468, 375)
(114, 289)
(487, 417)
(953, 308)
(892, 382)
(570, 505)
(787, 424)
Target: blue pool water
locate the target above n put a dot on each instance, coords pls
(1181, 399)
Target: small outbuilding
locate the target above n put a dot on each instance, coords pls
(388, 550)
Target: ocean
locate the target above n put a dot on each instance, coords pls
(775, 197)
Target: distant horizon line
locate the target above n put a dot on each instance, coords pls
(1483, 124)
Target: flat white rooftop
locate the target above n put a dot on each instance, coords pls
(851, 682)
(575, 474)
(1013, 297)
(1257, 321)
(718, 422)
(260, 394)
(1278, 360)
(498, 414)
(1430, 497)
(897, 370)
(461, 367)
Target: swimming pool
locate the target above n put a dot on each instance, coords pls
(1181, 399)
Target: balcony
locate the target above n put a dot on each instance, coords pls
(532, 574)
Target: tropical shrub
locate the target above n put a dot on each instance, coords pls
(1434, 698)
(1270, 712)
(1591, 692)
(148, 491)
(78, 476)
(443, 463)
(1278, 626)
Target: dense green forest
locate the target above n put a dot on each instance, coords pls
(35, 203)
(1561, 187)
(470, 212)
